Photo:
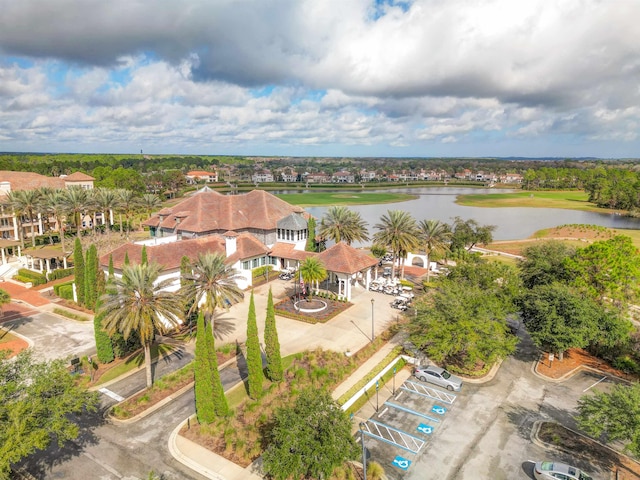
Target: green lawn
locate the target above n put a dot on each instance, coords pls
(134, 361)
(319, 199)
(572, 200)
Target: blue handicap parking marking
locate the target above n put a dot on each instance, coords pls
(438, 409)
(424, 428)
(400, 462)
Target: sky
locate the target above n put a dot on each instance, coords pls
(396, 78)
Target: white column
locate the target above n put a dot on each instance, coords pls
(48, 265)
(4, 258)
(16, 236)
(64, 261)
(40, 229)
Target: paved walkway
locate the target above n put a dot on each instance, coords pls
(24, 295)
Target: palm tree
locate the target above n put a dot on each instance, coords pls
(211, 284)
(28, 203)
(107, 200)
(76, 202)
(434, 236)
(137, 302)
(55, 202)
(398, 232)
(12, 202)
(150, 202)
(312, 270)
(128, 202)
(341, 224)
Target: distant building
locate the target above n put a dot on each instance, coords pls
(195, 176)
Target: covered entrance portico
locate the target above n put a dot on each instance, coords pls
(347, 267)
(46, 259)
(6, 245)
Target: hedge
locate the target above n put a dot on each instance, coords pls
(61, 273)
(261, 271)
(64, 290)
(25, 275)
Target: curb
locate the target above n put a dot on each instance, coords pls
(149, 410)
(571, 373)
(486, 378)
(20, 336)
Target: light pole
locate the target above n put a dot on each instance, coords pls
(364, 451)
(373, 334)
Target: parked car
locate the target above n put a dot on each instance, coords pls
(438, 376)
(555, 471)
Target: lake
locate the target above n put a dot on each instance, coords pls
(512, 223)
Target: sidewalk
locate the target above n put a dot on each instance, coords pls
(24, 294)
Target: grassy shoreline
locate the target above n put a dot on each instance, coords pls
(322, 199)
(568, 200)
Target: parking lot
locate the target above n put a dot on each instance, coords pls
(484, 431)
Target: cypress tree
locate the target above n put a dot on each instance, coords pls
(202, 375)
(78, 270)
(104, 346)
(311, 239)
(111, 267)
(220, 405)
(272, 344)
(126, 258)
(185, 269)
(90, 275)
(254, 356)
(144, 260)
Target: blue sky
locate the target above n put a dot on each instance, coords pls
(333, 78)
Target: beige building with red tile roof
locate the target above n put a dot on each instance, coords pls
(252, 230)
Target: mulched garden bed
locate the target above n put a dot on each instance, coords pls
(286, 308)
(589, 450)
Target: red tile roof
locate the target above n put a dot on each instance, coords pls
(30, 180)
(286, 250)
(169, 255)
(78, 177)
(342, 258)
(212, 211)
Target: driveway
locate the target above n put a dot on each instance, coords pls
(53, 336)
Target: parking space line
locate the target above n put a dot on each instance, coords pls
(429, 392)
(383, 412)
(393, 436)
(590, 387)
(414, 412)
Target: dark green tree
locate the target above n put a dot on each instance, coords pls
(91, 277)
(559, 317)
(202, 374)
(254, 355)
(220, 405)
(104, 346)
(37, 401)
(185, 269)
(272, 344)
(79, 271)
(144, 260)
(309, 439)
(613, 416)
(544, 263)
(111, 270)
(311, 239)
(126, 258)
(608, 269)
(469, 233)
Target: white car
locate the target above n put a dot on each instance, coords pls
(438, 376)
(558, 471)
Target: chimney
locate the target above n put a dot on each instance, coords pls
(230, 243)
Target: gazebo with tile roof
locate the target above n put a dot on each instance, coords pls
(347, 266)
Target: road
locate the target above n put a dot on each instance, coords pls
(108, 451)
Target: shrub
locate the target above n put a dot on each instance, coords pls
(627, 364)
(36, 278)
(71, 315)
(261, 271)
(61, 273)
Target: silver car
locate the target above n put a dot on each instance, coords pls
(438, 376)
(555, 471)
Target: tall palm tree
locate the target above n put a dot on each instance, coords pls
(107, 200)
(398, 232)
(28, 203)
(12, 202)
(56, 207)
(434, 236)
(211, 284)
(128, 202)
(312, 270)
(343, 225)
(150, 202)
(138, 302)
(76, 202)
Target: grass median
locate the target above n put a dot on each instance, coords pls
(319, 199)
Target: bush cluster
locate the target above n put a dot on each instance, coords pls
(61, 273)
(25, 275)
(64, 290)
